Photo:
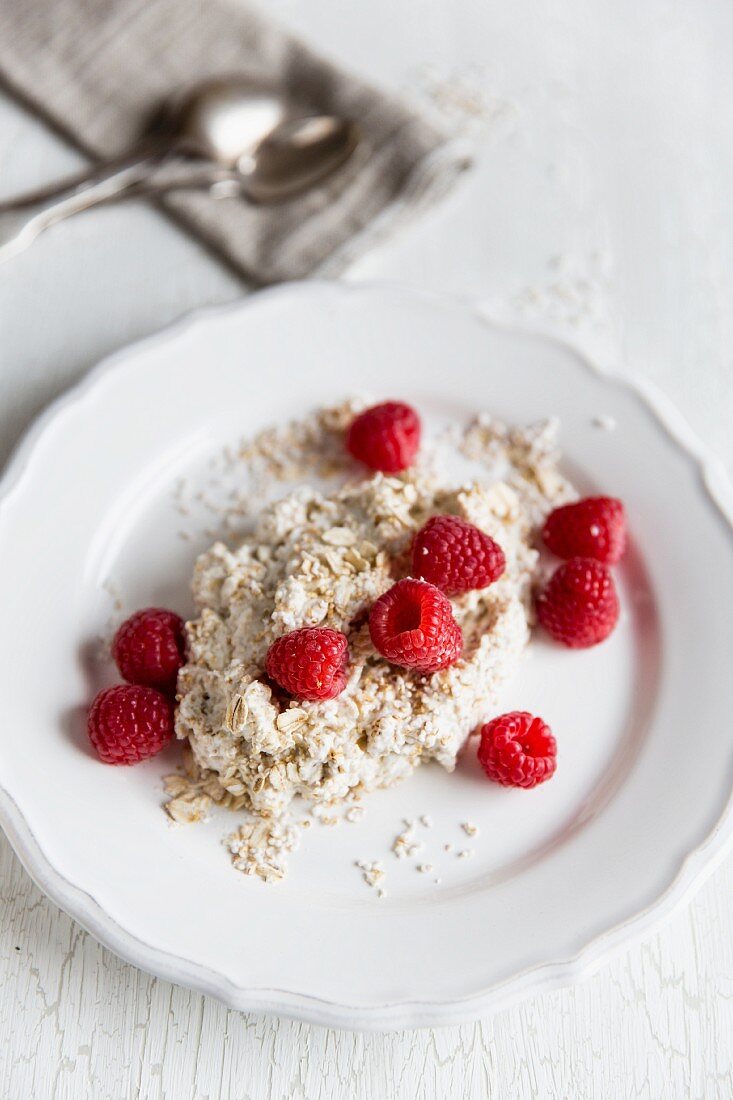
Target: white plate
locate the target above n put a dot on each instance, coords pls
(561, 875)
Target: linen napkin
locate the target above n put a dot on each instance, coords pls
(97, 68)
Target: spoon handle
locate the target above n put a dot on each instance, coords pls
(22, 221)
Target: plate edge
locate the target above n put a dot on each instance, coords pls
(694, 868)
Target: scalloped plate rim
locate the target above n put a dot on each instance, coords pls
(694, 868)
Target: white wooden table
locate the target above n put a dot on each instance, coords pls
(600, 207)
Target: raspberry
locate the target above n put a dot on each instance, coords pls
(412, 625)
(149, 648)
(455, 556)
(580, 606)
(517, 750)
(591, 528)
(385, 437)
(309, 663)
(128, 723)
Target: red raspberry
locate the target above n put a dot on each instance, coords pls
(412, 625)
(517, 750)
(591, 528)
(455, 556)
(309, 663)
(128, 723)
(385, 437)
(149, 648)
(580, 606)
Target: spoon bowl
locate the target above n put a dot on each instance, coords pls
(226, 119)
(298, 155)
(275, 149)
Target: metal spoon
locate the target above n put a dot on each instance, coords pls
(249, 133)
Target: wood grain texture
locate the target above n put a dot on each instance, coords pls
(598, 207)
(79, 1023)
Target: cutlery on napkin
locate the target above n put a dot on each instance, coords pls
(97, 70)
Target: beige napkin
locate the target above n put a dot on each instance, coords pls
(96, 68)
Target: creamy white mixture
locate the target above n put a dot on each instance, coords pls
(322, 560)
